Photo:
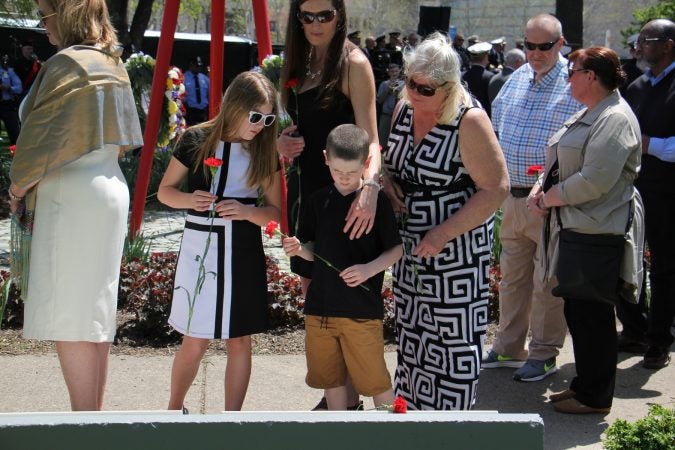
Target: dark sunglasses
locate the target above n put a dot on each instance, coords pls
(571, 71)
(423, 89)
(644, 42)
(322, 16)
(254, 118)
(546, 46)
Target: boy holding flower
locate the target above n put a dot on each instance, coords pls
(344, 308)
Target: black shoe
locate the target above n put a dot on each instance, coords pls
(323, 406)
(629, 344)
(656, 357)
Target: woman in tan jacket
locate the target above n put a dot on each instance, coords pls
(598, 155)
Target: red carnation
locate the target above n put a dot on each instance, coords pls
(535, 169)
(271, 228)
(292, 83)
(213, 162)
(400, 406)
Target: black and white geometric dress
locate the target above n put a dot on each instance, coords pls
(233, 299)
(441, 302)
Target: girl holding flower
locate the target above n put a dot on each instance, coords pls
(221, 290)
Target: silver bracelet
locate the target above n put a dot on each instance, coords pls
(372, 183)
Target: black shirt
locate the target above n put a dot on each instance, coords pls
(322, 222)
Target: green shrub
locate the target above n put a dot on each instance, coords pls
(656, 431)
(129, 165)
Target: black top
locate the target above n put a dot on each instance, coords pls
(654, 107)
(314, 124)
(478, 79)
(323, 220)
(186, 152)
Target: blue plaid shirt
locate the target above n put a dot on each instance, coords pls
(525, 115)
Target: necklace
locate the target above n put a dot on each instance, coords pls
(308, 66)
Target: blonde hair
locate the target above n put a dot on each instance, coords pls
(435, 59)
(84, 22)
(248, 91)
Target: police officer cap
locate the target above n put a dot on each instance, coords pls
(479, 48)
(381, 37)
(355, 34)
(498, 41)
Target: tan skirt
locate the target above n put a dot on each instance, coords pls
(78, 237)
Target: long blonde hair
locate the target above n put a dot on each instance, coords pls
(435, 59)
(248, 91)
(84, 22)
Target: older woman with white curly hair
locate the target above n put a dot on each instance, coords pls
(447, 176)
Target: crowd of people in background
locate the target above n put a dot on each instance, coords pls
(400, 152)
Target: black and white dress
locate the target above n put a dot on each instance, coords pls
(233, 298)
(441, 302)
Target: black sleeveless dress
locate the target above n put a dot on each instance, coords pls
(309, 172)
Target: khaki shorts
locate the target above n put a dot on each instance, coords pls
(342, 345)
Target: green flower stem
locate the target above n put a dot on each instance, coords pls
(407, 250)
(324, 260)
(201, 272)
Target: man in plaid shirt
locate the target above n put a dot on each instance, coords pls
(531, 106)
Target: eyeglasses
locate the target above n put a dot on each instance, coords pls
(307, 17)
(546, 46)
(644, 42)
(571, 71)
(255, 117)
(423, 89)
(42, 17)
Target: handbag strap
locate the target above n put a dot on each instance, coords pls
(629, 223)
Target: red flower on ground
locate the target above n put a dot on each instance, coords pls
(271, 228)
(292, 83)
(400, 406)
(535, 169)
(213, 162)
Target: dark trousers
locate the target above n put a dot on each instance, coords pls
(10, 117)
(633, 317)
(195, 116)
(659, 220)
(592, 325)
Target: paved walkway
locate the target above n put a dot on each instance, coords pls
(34, 382)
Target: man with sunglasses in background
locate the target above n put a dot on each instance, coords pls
(531, 106)
(652, 97)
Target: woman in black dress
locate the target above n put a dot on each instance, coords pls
(335, 85)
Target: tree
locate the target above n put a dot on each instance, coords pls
(19, 10)
(665, 9)
(119, 13)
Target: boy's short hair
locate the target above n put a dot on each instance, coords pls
(348, 142)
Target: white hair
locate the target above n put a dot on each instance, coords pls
(436, 60)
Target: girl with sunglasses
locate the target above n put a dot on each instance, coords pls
(232, 302)
(335, 86)
(448, 176)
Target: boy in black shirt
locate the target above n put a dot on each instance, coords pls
(344, 307)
